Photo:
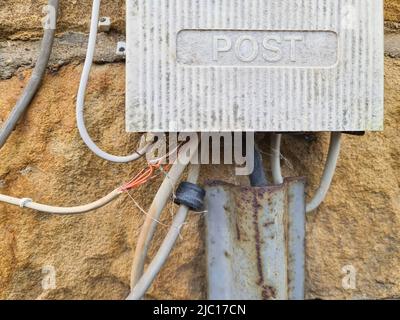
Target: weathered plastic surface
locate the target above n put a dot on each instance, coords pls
(255, 241)
(259, 65)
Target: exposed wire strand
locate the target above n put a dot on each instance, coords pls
(30, 204)
(142, 210)
(145, 281)
(140, 179)
(156, 208)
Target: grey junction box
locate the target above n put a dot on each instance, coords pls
(254, 65)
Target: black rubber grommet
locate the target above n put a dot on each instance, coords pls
(190, 195)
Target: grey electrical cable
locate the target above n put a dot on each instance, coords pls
(327, 176)
(34, 82)
(28, 203)
(80, 101)
(165, 249)
(329, 172)
(276, 158)
(156, 208)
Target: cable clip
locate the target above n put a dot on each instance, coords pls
(24, 202)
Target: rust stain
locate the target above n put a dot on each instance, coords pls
(269, 223)
(256, 207)
(238, 234)
(268, 293)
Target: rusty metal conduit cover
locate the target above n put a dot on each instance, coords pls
(255, 241)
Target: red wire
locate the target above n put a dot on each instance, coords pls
(143, 177)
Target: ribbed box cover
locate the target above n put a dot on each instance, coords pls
(254, 65)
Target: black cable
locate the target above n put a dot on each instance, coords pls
(258, 177)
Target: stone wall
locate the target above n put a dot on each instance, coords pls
(46, 160)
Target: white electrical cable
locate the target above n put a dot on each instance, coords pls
(28, 203)
(165, 249)
(276, 158)
(154, 213)
(80, 103)
(145, 281)
(329, 172)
